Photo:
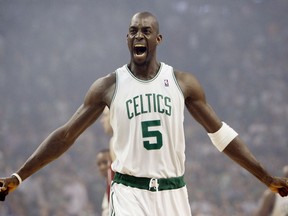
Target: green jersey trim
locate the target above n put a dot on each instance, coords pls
(145, 183)
(144, 81)
(177, 84)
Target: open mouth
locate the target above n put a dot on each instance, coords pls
(140, 49)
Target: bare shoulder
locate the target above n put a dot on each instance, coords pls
(102, 90)
(189, 85)
(195, 101)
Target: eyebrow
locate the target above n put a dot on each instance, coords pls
(143, 27)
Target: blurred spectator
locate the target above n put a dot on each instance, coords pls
(76, 197)
(105, 120)
(103, 161)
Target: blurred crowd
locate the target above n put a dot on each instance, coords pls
(52, 51)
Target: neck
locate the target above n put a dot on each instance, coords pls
(145, 71)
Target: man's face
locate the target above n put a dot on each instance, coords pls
(103, 162)
(142, 38)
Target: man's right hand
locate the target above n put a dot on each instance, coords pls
(3, 193)
(7, 185)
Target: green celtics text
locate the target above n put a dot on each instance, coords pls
(148, 103)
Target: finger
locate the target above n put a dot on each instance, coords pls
(274, 189)
(2, 187)
(1, 184)
(283, 192)
(3, 191)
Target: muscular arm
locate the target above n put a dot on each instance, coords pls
(98, 96)
(236, 150)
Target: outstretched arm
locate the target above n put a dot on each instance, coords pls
(60, 139)
(235, 149)
(98, 96)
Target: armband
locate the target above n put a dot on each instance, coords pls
(222, 137)
(18, 177)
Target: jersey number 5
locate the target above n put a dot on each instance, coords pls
(152, 135)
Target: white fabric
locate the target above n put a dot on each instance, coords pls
(135, 105)
(222, 137)
(128, 201)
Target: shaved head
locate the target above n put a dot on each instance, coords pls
(146, 14)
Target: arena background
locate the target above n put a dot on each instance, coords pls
(52, 50)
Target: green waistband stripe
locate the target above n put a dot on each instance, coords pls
(144, 183)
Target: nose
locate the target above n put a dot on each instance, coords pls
(139, 34)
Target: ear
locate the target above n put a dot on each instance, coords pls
(159, 39)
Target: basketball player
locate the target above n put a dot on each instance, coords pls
(146, 100)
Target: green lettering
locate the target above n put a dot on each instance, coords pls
(168, 105)
(136, 105)
(149, 103)
(159, 103)
(142, 105)
(129, 114)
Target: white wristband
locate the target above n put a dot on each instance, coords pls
(222, 137)
(18, 177)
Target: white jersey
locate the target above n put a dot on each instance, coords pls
(152, 112)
